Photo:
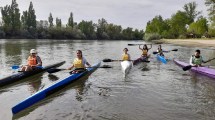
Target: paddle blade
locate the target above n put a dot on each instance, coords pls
(107, 60)
(132, 44)
(53, 70)
(175, 50)
(155, 52)
(15, 67)
(105, 66)
(187, 67)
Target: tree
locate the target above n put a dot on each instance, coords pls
(11, 18)
(88, 29)
(31, 18)
(190, 10)
(101, 29)
(211, 9)
(70, 20)
(58, 23)
(50, 19)
(178, 22)
(199, 27)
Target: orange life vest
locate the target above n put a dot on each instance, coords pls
(32, 61)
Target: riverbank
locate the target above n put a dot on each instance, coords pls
(188, 42)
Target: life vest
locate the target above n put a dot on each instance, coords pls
(144, 52)
(197, 61)
(32, 61)
(125, 57)
(78, 63)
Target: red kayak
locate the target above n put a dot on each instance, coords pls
(201, 70)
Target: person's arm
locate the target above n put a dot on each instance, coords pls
(140, 47)
(85, 62)
(39, 61)
(150, 46)
(70, 67)
(129, 57)
(191, 61)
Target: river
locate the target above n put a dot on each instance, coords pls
(151, 91)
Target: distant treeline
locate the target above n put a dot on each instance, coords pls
(188, 23)
(15, 25)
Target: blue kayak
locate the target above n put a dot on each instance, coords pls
(162, 59)
(40, 95)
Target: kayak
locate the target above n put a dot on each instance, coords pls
(201, 70)
(21, 75)
(126, 66)
(139, 60)
(42, 94)
(162, 59)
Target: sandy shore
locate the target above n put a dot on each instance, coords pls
(188, 42)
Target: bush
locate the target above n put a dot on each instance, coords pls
(152, 36)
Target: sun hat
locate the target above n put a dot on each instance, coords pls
(33, 51)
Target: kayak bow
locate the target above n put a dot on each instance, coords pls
(162, 59)
(40, 95)
(21, 75)
(201, 70)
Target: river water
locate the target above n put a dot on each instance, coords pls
(151, 91)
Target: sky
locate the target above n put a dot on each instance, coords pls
(127, 13)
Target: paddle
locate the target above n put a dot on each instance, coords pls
(155, 52)
(53, 70)
(190, 66)
(14, 67)
(110, 60)
(137, 44)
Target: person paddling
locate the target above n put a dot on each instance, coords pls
(79, 63)
(34, 62)
(196, 60)
(160, 51)
(125, 55)
(145, 50)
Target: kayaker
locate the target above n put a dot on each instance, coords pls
(196, 59)
(79, 63)
(34, 61)
(145, 50)
(125, 55)
(160, 50)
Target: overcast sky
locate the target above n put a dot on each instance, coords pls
(127, 13)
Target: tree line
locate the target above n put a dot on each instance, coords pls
(15, 25)
(186, 23)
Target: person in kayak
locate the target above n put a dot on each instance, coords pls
(125, 55)
(79, 63)
(196, 59)
(160, 51)
(145, 50)
(34, 62)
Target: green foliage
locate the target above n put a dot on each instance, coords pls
(58, 23)
(88, 29)
(70, 20)
(211, 9)
(190, 10)
(178, 23)
(152, 36)
(50, 19)
(157, 25)
(199, 27)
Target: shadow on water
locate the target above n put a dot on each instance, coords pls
(33, 81)
(53, 77)
(78, 85)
